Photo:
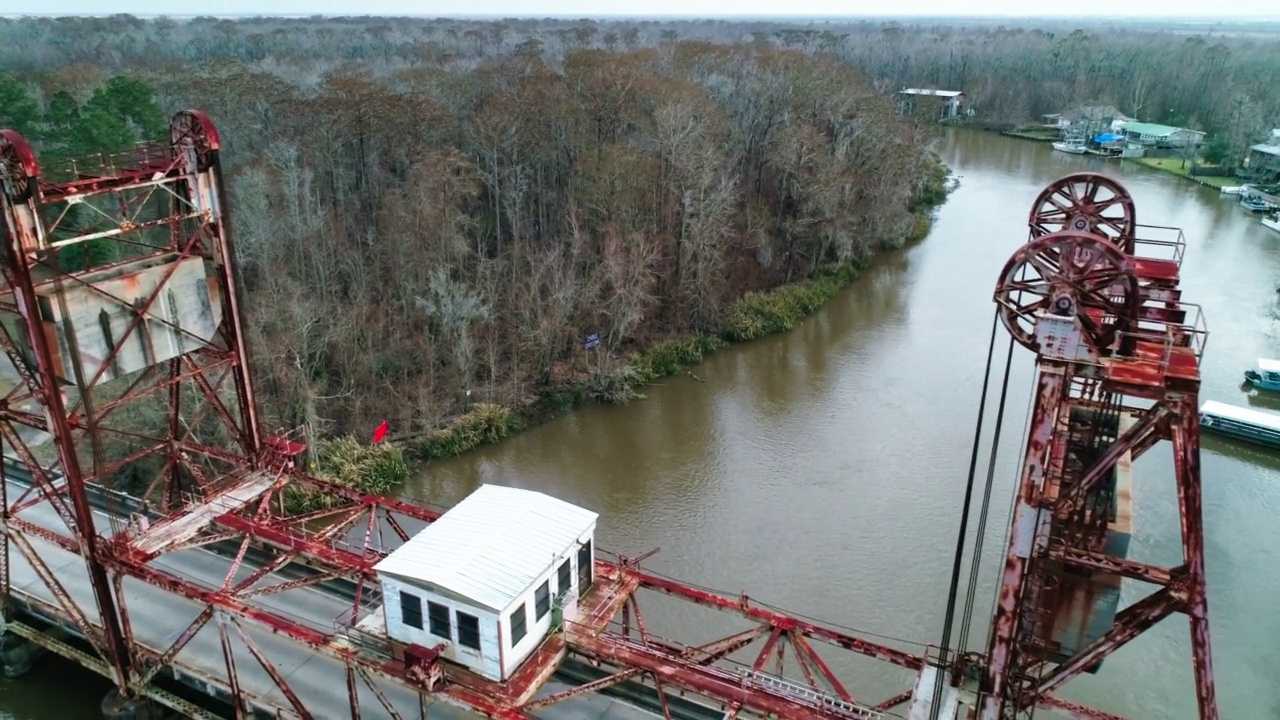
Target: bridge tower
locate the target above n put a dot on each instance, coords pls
(1096, 297)
(124, 366)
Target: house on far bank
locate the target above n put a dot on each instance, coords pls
(949, 103)
(1263, 163)
(1160, 137)
(1091, 119)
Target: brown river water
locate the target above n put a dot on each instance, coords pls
(823, 470)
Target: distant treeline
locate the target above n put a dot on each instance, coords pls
(1218, 77)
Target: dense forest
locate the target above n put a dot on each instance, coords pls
(434, 213)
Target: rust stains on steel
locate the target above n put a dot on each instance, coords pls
(743, 606)
(1140, 357)
(1084, 275)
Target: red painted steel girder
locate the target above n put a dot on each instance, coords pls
(189, 164)
(1161, 363)
(743, 606)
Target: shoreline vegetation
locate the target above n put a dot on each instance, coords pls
(616, 380)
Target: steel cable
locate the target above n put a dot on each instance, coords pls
(980, 538)
(958, 564)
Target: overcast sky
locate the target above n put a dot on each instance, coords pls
(792, 8)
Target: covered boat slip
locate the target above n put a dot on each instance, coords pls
(1255, 426)
(1266, 375)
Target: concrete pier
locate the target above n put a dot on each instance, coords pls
(18, 655)
(117, 707)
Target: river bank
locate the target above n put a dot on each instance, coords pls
(619, 380)
(605, 379)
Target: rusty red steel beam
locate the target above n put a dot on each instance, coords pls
(590, 687)
(1003, 647)
(309, 636)
(704, 654)
(743, 606)
(1091, 560)
(1186, 461)
(895, 701)
(1076, 710)
(1136, 439)
(710, 681)
(1129, 624)
(293, 543)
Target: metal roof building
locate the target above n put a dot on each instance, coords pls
(492, 546)
(488, 571)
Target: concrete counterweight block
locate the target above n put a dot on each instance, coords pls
(18, 655)
(117, 707)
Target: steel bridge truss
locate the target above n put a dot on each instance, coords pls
(1096, 297)
(123, 329)
(122, 323)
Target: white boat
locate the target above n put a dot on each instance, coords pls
(1272, 222)
(1253, 203)
(1075, 148)
(1235, 189)
(1243, 423)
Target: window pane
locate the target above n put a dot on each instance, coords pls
(410, 610)
(565, 576)
(438, 618)
(468, 631)
(543, 599)
(518, 629)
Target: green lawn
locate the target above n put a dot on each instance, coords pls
(1180, 167)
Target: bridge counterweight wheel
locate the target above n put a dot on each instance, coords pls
(1087, 203)
(1069, 273)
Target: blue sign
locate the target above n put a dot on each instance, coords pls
(591, 341)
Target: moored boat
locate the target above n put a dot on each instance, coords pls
(1272, 222)
(1234, 189)
(1266, 375)
(1248, 424)
(1073, 147)
(1253, 203)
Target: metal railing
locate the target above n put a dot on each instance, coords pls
(1190, 334)
(1159, 242)
(363, 641)
(139, 158)
(806, 694)
(732, 671)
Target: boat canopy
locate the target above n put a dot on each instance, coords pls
(1269, 365)
(1108, 137)
(1265, 420)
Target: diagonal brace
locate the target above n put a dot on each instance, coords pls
(1130, 622)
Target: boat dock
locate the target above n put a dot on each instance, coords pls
(1248, 424)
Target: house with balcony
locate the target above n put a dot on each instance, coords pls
(1263, 163)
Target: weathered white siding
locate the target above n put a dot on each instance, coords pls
(487, 557)
(537, 628)
(484, 662)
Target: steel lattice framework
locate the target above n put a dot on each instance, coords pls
(1096, 297)
(132, 402)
